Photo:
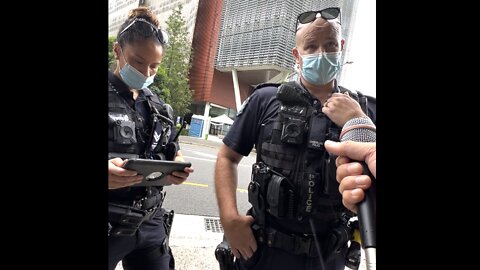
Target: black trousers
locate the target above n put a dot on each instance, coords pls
(145, 250)
(273, 258)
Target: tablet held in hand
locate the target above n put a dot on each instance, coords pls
(154, 171)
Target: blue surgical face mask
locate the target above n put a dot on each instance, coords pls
(134, 78)
(320, 69)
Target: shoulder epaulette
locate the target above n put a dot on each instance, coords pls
(262, 85)
(353, 93)
(151, 96)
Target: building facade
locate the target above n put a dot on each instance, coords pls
(254, 46)
(237, 44)
(163, 9)
(118, 12)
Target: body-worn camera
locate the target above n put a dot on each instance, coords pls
(124, 132)
(293, 129)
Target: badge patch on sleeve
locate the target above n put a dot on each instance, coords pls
(244, 104)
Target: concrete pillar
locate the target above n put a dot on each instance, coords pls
(236, 88)
(206, 121)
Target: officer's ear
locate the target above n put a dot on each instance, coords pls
(296, 55)
(342, 43)
(116, 50)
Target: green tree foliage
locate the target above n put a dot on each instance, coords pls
(171, 81)
(111, 57)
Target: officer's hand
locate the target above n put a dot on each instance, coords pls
(349, 174)
(178, 177)
(240, 236)
(341, 107)
(118, 177)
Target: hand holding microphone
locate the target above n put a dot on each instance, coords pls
(358, 144)
(350, 174)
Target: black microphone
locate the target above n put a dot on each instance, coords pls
(367, 213)
(366, 209)
(291, 95)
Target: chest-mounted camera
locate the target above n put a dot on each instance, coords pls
(125, 132)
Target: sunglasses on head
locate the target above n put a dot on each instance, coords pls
(310, 16)
(161, 35)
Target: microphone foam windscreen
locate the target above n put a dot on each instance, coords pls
(359, 134)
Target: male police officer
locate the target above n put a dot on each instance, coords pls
(297, 220)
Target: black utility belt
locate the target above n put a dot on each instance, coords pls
(297, 244)
(329, 244)
(125, 219)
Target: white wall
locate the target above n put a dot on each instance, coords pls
(361, 75)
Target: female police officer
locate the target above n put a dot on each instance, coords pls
(140, 125)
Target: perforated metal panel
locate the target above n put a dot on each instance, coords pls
(261, 32)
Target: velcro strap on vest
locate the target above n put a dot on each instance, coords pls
(276, 156)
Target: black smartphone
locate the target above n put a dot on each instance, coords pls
(154, 171)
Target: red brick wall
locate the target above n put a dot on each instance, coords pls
(205, 43)
(222, 90)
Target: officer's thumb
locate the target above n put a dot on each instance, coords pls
(118, 161)
(250, 220)
(353, 150)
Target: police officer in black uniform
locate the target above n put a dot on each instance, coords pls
(297, 220)
(141, 125)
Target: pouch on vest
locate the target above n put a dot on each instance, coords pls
(318, 129)
(277, 196)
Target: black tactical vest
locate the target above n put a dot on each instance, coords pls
(132, 136)
(294, 148)
(129, 135)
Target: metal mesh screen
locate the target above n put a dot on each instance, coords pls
(213, 225)
(261, 32)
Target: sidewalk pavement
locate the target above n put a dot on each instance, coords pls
(193, 242)
(212, 141)
(193, 239)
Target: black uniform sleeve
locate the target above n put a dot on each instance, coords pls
(256, 109)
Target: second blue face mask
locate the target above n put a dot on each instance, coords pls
(134, 78)
(320, 69)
